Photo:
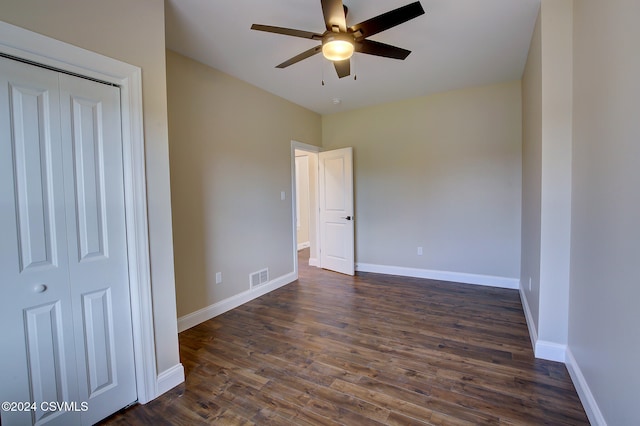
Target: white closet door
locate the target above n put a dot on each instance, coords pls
(92, 156)
(37, 351)
(64, 307)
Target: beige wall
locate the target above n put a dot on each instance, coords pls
(555, 211)
(230, 147)
(313, 206)
(133, 32)
(546, 228)
(604, 317)
(532, 174)
(302, 188)
(442, 172)
(580, 155)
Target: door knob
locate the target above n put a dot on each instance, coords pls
(39, 288)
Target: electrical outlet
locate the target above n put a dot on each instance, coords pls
(218, 277)
(419, 251)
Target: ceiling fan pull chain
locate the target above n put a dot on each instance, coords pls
(353, 61)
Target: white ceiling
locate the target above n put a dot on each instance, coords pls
(455, 44)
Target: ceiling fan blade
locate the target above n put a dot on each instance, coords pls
(380, 49)
(304, 55)
(386, 20)
(343, 68)
(334, 15)
(287, 31)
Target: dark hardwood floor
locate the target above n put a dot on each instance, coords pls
(372, 349)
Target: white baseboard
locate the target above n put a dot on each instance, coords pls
(304, 245)
(542, 349)
(191, 320)
(169, 379)
(459, 277)
(550, 351)
(584, 392)
(313, 261)
(533, 333)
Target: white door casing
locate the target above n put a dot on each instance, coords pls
(336, 210)
(66, 287)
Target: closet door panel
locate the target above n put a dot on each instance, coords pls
(38, 353)
(89, 177)
(98, 268)
(30, 116)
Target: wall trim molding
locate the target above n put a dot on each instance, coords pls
(313, 261)
(40, 49)
(550, 351)
(191, 320)
(584, 392)
(170, 378)
(459, 277)
(542, 349)
(304, 245)
(533, 333)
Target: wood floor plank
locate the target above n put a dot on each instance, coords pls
(371, 349)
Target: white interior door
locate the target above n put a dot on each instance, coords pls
(336, 210)
(65, 307)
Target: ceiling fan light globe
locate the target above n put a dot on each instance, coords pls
(337, 47)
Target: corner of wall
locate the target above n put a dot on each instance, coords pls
(550, 351)
(542, 349)
(531, 325)
(169, 379)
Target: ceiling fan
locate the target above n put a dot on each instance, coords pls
(339, 41)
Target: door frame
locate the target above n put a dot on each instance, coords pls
(315, 248)
(45, 51)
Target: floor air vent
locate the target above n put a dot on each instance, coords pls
(259, 278)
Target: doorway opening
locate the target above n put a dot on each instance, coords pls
(305, 201)
(325, 179)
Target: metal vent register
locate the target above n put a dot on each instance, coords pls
(259, 278)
